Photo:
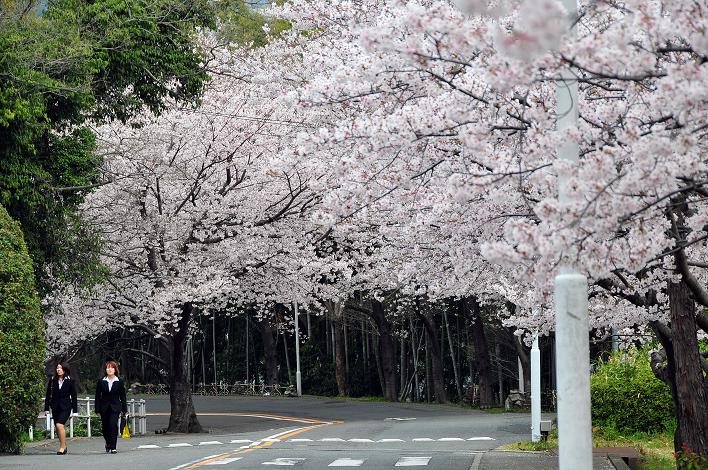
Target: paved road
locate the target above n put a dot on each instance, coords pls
(310, 433)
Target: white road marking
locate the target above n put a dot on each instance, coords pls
(390, 440)
(224, 461)
(240, 441)
(346, 462)
(450, 439)
(210, 443)
(148, 446)
(332, 439)
(180, 444)
(481, 439)
(398, 419)
(423, 439)
(475, 463)
(284, 461)
(360, 440)
(413, 461)
(300, 440)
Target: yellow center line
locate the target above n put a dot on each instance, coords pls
(262, 445)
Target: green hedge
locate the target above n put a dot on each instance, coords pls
(22, 343)
(628, 397)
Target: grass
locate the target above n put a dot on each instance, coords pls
(658, 449)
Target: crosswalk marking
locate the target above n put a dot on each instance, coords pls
(390, 440)
(284, 461)
(300, 440)
(148, 446)
(180, 444)
(209, 443)
(360, 440)
(413, 461)
(240, 441)
(224, 461)
(423, 439)
(480, 439)
(332, 439)
(346, 462)
(450, 439)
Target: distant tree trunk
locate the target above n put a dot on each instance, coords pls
(481, 348)
(336, 310)
(431, 330)
(688, 387)
(453, 355)
(524, 354)
(269, 351)
(183, 418)
(386, 349)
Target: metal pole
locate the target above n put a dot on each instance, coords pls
(615, 340)
(522, 389)
(213, 340)
(571, 304)
(535, 391)
(298, 376)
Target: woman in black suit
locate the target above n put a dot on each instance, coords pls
(61, 399)
(110, 402)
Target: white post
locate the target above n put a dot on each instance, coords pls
(571, 305)
(71, 427)
(31, 433)
(298, 376)
(132, 416)
(213, 340)
(88, 416)
(521, 375)
(52, 427)
(535, 391)
(615, 340)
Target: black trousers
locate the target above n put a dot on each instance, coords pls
(109, 426)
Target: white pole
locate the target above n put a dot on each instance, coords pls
(535, 391)
(298, 377)
(88, 416)
(213, 341)
(615, 340)
(571, 305)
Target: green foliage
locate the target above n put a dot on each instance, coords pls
(627, 397)
(687, 459)
(318, 377)
(82, 61)
(243, 25)
(22, 342)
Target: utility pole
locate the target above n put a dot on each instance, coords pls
(213, 340)
(571, 303)
(298, 377)
(535, 390)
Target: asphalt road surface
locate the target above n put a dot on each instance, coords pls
(308, 433)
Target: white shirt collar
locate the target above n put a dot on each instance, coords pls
(115, 379)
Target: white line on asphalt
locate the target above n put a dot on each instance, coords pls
(332, 439)
(194, 461)
(475, 463)
(360, 440)
(224, 461)
(180, 444)
(284, 461)
(481, 439)
(300, 440)
(346, 462)
(423, 439)
(413, 461)
(450, 439)
(390, 440)
(210, 443)
(398, 419)
(148, 446)
(240, 441)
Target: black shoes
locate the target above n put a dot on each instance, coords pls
(61, 452)
(113, 451)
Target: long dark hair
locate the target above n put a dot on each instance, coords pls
(64, 366)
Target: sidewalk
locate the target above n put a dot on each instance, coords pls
(505, 460)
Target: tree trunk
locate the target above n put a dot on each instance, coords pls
(269, 351)
(688, 388)
(431, 330)
(482, 361)
(183, 418)
(453, 355)
(386, 349)
(524, 354)
(340, 363)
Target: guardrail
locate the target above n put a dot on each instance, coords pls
(136, 413)
(237, 388)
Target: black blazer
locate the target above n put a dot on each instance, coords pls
(113, 400)
(61, 399)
